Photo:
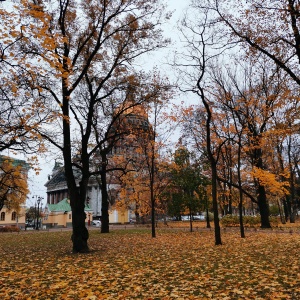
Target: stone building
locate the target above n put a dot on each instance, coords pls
(133, 121)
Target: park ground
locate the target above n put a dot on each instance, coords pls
(128, 264)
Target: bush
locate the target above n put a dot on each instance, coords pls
(274, 221)
(9, 229)
(249, 221)
(230, 221)
(210, 216)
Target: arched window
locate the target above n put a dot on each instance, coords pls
(2, 216)
(13, 216)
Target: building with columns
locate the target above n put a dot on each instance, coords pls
(136, 119)
(57, 191)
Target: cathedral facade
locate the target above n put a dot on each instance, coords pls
(133, 122)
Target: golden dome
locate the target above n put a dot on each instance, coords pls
(131, 108)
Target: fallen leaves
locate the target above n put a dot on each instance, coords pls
(131, 265)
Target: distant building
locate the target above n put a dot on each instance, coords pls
(60, 214)
(57, 190)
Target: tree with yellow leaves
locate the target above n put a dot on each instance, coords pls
(13, 183)
(145, 181)
(86, 53)
(19, 111)
(262, 27)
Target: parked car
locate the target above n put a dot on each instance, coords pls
(196, 217)
(199, 217)
(30, 224)
(96, 223)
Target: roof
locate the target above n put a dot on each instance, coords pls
(15, 161)
(64, 205)
(130, 107)
(58, 176)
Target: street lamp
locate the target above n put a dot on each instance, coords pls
(38, 200)
(38, 212)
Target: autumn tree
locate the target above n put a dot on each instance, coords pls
(269, 28)
(194, 65)
(86, 54)
(13, 183)
(128, 129)
(263, 28)
(150, 179)
(252, 103)
(188, 182)
(286, 157)
(270, 94)
(19, 113)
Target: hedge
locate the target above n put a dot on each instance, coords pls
(248, 221)
(9, 229)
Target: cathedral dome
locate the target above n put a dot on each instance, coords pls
(131, 108)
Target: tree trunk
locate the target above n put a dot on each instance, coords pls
(261, 192)
(282, 218)
(242, 229)
(207, 212)
(80, 233)
(191, 221)
(263, 207)
(218, 240)
(105, 203)
(285, 208)
(213, 164)
(152, 207)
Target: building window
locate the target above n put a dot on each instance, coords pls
(2, 217)
(70, 216)
(14, 216)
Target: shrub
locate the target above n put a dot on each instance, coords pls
(274, 221)
(249, 221)
(210, 216)
(9, 229)
(230, 221)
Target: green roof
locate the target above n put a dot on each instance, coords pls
(63, 205)
(15, 161)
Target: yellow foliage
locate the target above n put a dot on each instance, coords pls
(175, 265)
(13, 184)
(270, 181)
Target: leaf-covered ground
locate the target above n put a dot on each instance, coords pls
(129, 264)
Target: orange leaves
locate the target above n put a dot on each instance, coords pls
(270, 181)
(13, 186)
(176, 265)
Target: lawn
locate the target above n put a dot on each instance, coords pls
(129, 264)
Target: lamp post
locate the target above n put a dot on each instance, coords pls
(206, 204)
(38, 212)
(38, 200)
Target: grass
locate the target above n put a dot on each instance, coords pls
(129, 264)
